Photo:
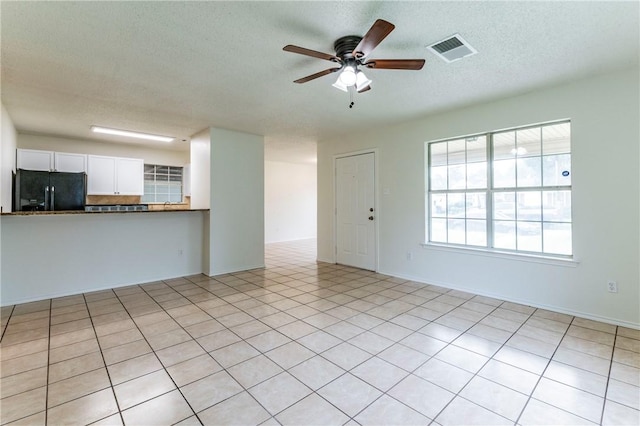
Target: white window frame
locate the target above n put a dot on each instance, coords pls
(490, 191)
(156, 183)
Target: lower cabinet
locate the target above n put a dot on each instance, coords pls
(114, 175)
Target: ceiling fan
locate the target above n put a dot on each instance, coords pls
(353, 52)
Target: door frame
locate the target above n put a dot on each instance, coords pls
(376, 194)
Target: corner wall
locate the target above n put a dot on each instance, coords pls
(236, 234)
(201, 170)
(8, 142)
(604, 114)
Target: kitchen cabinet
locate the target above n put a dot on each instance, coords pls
(31, 159)
(129, 176)
(115, 176)
(68, 162)
(50, 161)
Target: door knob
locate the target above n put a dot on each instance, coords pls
(370, 217)
(371, 209)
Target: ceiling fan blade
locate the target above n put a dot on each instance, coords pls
(309, 52)
(316, 75)
(378, 31)
(395, 64)
(366, 89)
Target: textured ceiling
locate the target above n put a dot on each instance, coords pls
(176, 68)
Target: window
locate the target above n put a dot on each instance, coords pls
(162, 184)
(506, 190)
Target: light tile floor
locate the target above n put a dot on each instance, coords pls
(303, 343)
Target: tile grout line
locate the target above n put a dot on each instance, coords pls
(4, 329)
(261, 354)
(198, 343)
(541, 376)
(389, 321)
(606, 388)
(474, 374)
(206, 352)
(113, 391)
(46, 399)
(284, 370)
(409, 372)
(156, 355)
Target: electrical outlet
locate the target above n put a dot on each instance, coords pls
(612, 286)
(409, 255)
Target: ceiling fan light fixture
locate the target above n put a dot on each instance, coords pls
(339, 85)
(362, 82)
(348, 76)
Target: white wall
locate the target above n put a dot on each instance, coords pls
(8, 138)
(61, 144)
(46, 256)
(7, 166)
(237, 202)
(604, 114)
(290, 201)
(201, 170)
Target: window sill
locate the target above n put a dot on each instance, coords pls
(521, 257)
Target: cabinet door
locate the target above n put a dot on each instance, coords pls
(72, 163)
(31, 159)
(130, 176)
(101, 175)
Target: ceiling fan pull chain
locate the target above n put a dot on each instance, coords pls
(351, 90)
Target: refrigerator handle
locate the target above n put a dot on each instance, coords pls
(46, 198)
(53, 197)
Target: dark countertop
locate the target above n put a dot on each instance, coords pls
(63, 212)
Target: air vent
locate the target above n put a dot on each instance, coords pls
(452, 48)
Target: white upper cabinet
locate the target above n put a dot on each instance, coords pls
(101, 175)
(49, 161)
(68, 162)
(115, 176)
(129, 176)
(31, 159)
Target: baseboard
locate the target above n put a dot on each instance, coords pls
(290, 241)
(86, 290)
(559, 309)
(234, 270)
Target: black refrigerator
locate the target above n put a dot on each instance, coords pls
(41, 191)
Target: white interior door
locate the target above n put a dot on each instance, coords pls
(355, 211)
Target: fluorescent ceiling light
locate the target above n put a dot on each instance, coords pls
(129, 134)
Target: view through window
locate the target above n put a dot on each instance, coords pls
(162, 184)
(507, 190)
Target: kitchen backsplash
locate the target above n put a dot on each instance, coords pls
(135, 199)
(113, 199)
(173, 206)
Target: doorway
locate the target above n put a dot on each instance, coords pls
(355, 211)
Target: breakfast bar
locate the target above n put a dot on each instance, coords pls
(53, 254)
